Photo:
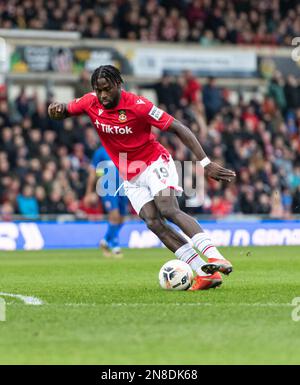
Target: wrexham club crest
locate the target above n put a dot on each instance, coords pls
(122, 116)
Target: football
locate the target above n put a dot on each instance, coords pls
(175, 275)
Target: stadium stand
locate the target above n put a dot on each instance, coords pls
(209, 22)
(43, 163)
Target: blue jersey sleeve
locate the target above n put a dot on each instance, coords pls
(99, 156)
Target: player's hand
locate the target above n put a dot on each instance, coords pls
(214, 171)
(57, 111)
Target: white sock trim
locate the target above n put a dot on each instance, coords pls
(203, 242)
(187, 254)
(182, 250)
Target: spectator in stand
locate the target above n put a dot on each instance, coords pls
(23, 103)
(83, 86)
(192, 88)
(292, 92)
(264, 204)
(220, 206)
(294, 178)
(40, 117)
(27, 203)
(72, 203)
(168, 91)
(4, 115)
(276, 91)
(208, 39)
(6, 211)
(68, 134)
(286, 199)
(90, 205)
(56, 204)
(41, 197)
(212, 99)
(277, 209)
(296, 201)
(3, 92)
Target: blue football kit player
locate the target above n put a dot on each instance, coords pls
(115, 205)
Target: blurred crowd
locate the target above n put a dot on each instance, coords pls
(44, 163)
(209, 22)
(259, 139)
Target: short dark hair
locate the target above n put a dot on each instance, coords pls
(107, 72)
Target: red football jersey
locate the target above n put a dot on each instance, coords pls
(125, 131)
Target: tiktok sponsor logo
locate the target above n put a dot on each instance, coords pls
(108, 129)
(116, 129)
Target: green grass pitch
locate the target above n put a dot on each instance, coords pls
(100, 311)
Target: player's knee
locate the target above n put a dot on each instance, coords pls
(114, 216)
(154, 224)
(169, 212)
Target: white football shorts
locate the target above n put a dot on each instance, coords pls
(160, 175)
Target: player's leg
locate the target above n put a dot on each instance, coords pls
(116, 223)
(179, 246)
(163, 181)
(142, 201)
(171, 238)
(110, 243)
(119, 214)
(167, 205)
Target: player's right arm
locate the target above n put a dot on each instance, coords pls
(59, 111)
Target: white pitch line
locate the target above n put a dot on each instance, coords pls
(175, 304)
(36, 301)
(27, 300)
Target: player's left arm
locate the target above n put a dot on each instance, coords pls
(165, 122)
(212, 169)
